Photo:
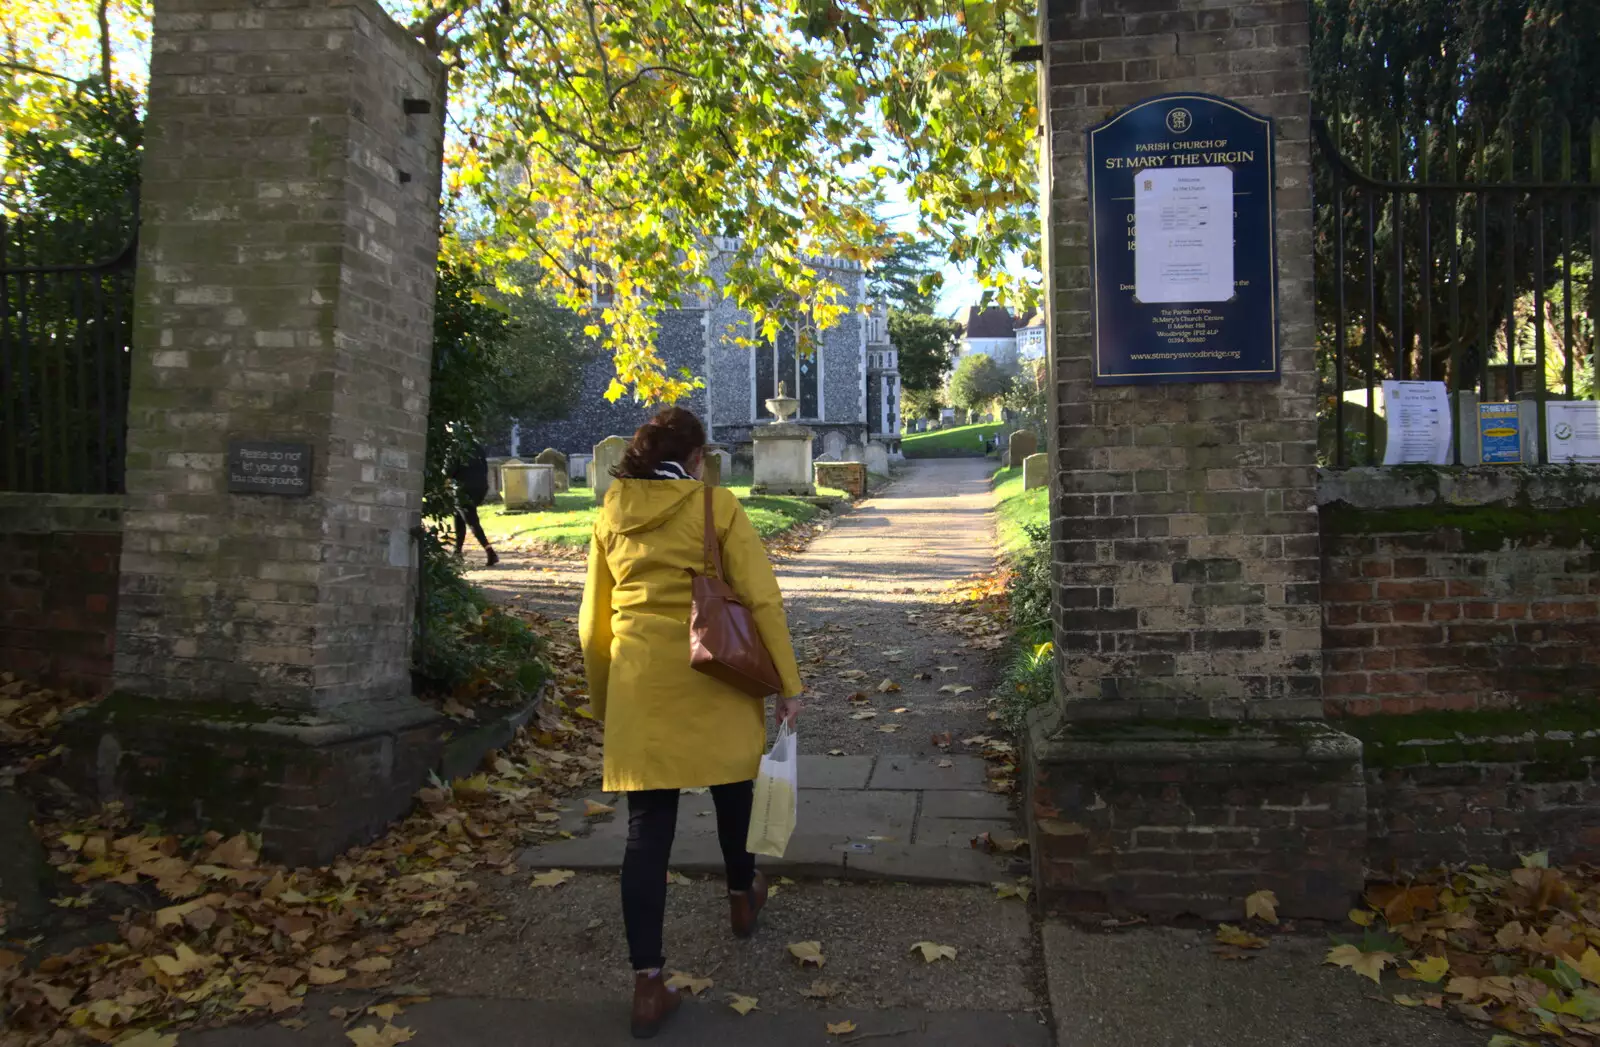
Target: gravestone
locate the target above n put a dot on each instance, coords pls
(1035, 471)
(1022, 444)
(834, 446)
(494, 478)
(877, 458)
(578, 466)
(607, 456)
(557, 461)
(711, 468)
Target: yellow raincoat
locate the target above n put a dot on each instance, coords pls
(667, 726)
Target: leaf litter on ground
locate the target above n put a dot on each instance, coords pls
(1514, 949)
(233, 936)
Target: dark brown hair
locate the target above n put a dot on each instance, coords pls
(673, 435)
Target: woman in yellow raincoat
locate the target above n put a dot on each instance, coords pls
(667, 726)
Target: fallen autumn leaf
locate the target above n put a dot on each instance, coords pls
(553, 878)
(932, 951)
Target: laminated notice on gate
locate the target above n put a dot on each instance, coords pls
(1573, 430)
(1183, 234)
(1418, 422)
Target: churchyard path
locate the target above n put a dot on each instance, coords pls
(881, 860)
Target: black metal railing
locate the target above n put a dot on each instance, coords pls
(1452, 256)
(66, 304)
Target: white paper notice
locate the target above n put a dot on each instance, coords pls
(1572, 429)
(1183, 234)
(1418, 415)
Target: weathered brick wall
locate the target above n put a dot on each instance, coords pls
(58, 588)
(1481, 787)
(285, 292)
(1181, 818)
(1459, 589)
(1185, 516)
(850, 477)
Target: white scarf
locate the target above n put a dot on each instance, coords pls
(672, 471)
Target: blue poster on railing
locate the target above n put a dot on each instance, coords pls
(1499, 433)
(1183, 251)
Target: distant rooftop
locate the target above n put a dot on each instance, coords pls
(993, 322)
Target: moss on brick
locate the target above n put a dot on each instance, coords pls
(1485, 736)
(1483, 528)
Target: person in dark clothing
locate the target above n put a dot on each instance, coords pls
(471, 476)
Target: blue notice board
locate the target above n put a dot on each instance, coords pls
(1499, 433)
(1183, 290)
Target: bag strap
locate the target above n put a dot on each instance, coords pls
(713, 547)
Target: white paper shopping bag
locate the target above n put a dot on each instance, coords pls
(777, 797)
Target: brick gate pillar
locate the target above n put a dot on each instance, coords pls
(1183, 765)
(282, 343)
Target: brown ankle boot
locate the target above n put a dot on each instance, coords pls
(653, 1004)
(745, 906)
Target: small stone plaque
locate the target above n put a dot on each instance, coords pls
(262, 467)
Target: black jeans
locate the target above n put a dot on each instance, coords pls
(652, 823)
(467, 516)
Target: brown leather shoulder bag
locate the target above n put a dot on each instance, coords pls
(724, 642)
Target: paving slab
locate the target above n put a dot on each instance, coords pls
(1162, 987)
(834, 772)
(966, 803)
(531, 1023)
(924, 772)
(958, 832)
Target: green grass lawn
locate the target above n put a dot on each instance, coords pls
(964, 441)
(572, 519)
(1015, 507)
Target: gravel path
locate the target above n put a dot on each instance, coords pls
(864, 607)
(864, 599)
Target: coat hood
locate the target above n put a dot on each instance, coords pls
(635, 506)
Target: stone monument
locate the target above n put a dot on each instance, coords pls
(494, 478)
(529, 485)
(607, 456)
(782, 451)
(578, 467)
(557, 461)
(1022, 444)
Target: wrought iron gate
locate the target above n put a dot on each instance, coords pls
(1463, 262)
(65, 333)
